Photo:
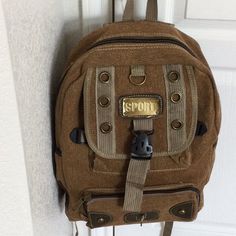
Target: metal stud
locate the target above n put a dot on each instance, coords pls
(175, 97)
(106, 127)
(173, 76)
(104, 101)
(104, 77)
(101, 220)
(182, 212)
(176, 124)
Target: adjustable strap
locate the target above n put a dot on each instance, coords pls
(151, 12)
(135, 181)
(113, 11)
(139, 165)
(168, 228)
(129, 11)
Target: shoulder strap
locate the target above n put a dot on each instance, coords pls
(113, 14)
(168, 228)
(129, 11)
(151, 12)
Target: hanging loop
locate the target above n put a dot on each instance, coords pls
(129, 11)
(151, 11)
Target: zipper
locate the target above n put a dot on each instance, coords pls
(148, 192)
(143, 40)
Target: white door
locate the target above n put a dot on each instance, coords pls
(213, 24)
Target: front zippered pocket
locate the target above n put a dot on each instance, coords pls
(148, 192)
(159, 204)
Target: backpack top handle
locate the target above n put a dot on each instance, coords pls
(151, 11)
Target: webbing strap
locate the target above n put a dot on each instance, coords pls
(168, 228)
(138, 70)
(142, 125)
(129, 11)
(135, 181)
(137, 173)
(151, 12)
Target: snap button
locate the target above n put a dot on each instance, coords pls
(101, 220)
(173, 76)
(175, 97)
(104, 101)
(106, 127)
(176, 124)
(104, 77)
(182, 212)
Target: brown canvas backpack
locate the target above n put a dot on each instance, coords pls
(137, 121)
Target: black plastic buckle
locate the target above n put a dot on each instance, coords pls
(141, 148)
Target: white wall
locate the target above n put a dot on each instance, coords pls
(35, 38)
(14, 196)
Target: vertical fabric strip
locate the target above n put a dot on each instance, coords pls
(138, 70)
(135, 181)
(143, 125)
(137, 173)
(175, 111)
(106, 142)
(193, 85)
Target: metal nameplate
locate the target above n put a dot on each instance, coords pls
(140, 106)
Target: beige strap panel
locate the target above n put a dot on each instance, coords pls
(141, 124)
(193, 85)
(106, 142)
(138, 70)
(175, 111)
(135, 181)
(152, 10)
(137, 173)
(129, 11)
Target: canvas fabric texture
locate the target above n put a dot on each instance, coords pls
(93, 173)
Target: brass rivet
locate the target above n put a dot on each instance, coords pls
(175, 97)
(104, 101)
(173, 76)
(101, 220)
(176, 124)
(182, 212)
(106, 127)
(137, 80)
(104, 77)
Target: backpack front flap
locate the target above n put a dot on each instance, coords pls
(165, 104)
